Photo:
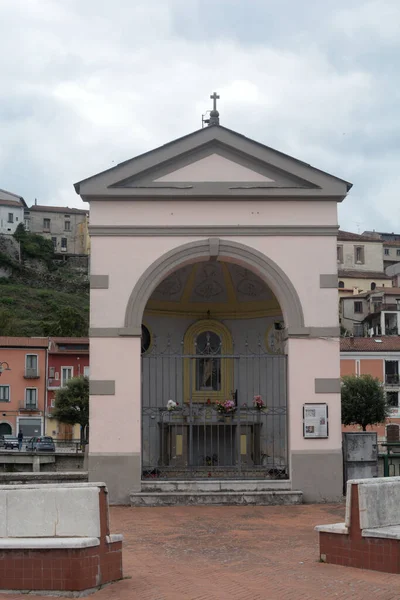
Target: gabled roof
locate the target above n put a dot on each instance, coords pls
(7, 197)
(384, 343)
(56, 209)
(210, 162)
(68, 345)
(356, 274)
(23, 342)
(348, 236)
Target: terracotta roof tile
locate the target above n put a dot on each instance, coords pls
(56, 342)
(23, 342)
(56, 209)
(348, 236)
(15, 203)
(384, 343)
(354, 273)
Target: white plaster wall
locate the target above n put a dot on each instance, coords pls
(18, 214)
(213, 212)
(310, 359)
(303, 260)
(214, 168)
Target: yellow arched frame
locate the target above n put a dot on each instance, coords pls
(189, 367)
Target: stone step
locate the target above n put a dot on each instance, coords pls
(259, 498)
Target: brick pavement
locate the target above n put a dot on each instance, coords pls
(234, 553)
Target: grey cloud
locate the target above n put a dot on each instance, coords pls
(88, 84)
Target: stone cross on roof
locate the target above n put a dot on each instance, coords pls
(214, 114)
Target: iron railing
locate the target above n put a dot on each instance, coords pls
(195, 440)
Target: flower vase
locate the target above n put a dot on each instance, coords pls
(228, 419)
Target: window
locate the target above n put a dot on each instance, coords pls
(391, 372)
(339, 254)
(31, 398)
(398, 303)
(27, 224)
(358, 331)
(358, 307)
(86, 371)
(31, 365)
(341, 284)
(392, 399)
(387, 251)
(398, 252)
(64, 244)
(146, 339)
(373, 285)
(66, 374)
(4, 393)
(67, 226)
(10, 218)
(54, 242)
(46, 224)
(359, 254)
(52, 370)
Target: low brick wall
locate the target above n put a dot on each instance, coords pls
(60, 570)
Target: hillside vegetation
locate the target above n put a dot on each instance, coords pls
(41, 295)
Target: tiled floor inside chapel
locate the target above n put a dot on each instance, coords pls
(233, 553)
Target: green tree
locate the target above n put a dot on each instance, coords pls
(34, 245)
(68, 322)
(363, 401)
(8, 323)
(71, 404)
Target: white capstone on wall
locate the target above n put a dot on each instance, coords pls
(50, 512)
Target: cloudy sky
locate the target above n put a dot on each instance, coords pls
(88, 83)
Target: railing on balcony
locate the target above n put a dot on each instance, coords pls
(28, 406)
(31, 373)
(392, 379)
(379, 307)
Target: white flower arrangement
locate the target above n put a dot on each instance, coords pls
(171, 405)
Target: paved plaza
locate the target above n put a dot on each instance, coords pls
(234, 553)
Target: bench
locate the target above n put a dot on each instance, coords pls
(56, 538)
(370, 536)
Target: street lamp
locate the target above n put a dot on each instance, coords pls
(4, 366)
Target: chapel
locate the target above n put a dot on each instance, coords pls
(214, 334)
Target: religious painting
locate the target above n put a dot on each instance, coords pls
(208, 366)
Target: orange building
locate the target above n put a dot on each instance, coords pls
(379, 357)
(23, 366)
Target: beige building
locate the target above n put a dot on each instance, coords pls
(374, 313)
(66, 227)
(360, 264)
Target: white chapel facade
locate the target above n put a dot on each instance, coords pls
(214, 333)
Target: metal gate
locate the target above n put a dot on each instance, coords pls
(213, 415)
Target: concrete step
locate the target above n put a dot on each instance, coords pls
(259, 498)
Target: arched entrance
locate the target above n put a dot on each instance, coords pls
(214, 401)
(5, 429)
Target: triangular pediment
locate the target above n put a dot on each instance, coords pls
(213, 168)
(213, 162)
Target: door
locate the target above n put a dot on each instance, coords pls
(5, 429)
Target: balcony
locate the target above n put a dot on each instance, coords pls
(28, 406)
(392, 379)
(31, 373)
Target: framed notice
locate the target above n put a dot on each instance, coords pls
(315, 421)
